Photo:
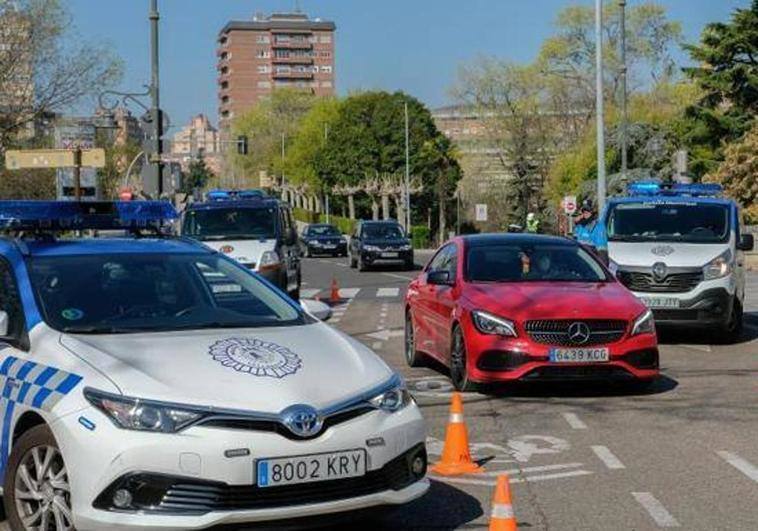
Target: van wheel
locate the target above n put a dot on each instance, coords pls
(36, 490)
(732, 331)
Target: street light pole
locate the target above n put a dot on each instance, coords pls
(624, 94)
(407, 172)
(155, 113)
(599, 105)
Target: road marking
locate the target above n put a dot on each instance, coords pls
(574, 421)
(392, 275)
(385, 334)
(349, 293)
(388, 292)
(309, 293)
(376, 345)
(530, 479)
(340, 264)
(655, 509)
(526, 469)
(740, 464)
(701, 348)
(607, 457)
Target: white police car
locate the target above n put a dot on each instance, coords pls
(150, 382)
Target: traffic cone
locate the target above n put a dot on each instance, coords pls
(501, 517)
(456, 457)
(335, 295)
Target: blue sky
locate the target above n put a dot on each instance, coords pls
(413, 45)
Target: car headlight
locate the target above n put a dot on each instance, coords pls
(315, 243)
(719, 267)
(142, 415)
(371, 248)
(613, 267)
(406, 247)
(269, 260)
(393, 399)
(488, 323)
(644, 324)
(343, 239)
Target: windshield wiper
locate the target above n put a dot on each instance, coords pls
(100, 330)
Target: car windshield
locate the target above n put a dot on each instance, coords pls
(123, 293)
(323, 230)
(532, 263)
(383, 232)
(669, 222)
(231, 223)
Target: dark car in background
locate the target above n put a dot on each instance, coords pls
(380, 242)
(322, 239)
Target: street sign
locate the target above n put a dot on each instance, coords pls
(481, 212)
(52, 158)
(569, 204)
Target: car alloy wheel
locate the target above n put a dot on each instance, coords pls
(41, 491)
(458, 368)
(412, 356)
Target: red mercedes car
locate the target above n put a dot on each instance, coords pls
(506, 307)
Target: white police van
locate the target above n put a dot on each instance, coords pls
(679, 248)
(149, 382)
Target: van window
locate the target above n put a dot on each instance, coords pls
(233, 223)
(688, 222)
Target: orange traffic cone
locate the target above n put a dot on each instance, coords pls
(335, 295)
(456, 457)
(501, 517)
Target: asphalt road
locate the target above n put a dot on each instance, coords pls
(684, 454)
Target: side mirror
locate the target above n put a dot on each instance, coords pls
(439, 278)
(746, 243)
(4, 323)
(316, 309)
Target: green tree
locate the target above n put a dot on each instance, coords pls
(738, 174)
(198, 175)
(270, 125)
(727, 74)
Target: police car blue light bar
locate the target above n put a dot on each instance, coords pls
(225, 195)
(655, 187)
(70, 215)
(652, 187)
(698, 189)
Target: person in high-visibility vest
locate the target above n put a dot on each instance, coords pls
(590, 231)
(532, 223)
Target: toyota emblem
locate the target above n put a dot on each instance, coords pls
(302, 420)
(579, 333)
(660, 271)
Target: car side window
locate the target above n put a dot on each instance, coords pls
(439, 260)
(10, 300)
(451, 261)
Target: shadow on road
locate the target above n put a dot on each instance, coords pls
(696, 336)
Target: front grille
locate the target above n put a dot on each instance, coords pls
(156, 493)
(673, 283)
(556, 332)
(281, 429)
(500, 360)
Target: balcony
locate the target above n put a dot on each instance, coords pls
(293, 60)
(293, 45)
(292, 75)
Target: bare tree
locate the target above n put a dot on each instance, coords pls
(44, 67)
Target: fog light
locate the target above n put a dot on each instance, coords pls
(122, 498)
(418, 465)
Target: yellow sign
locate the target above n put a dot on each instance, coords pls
(52, 158)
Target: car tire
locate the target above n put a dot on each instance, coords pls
(412, 356)
(458, 363)
(732, 331)
(50, 495)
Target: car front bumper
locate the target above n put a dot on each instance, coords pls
(371, 257)
(494, 359)
(712, 307)
(100, 459)
(338, 249)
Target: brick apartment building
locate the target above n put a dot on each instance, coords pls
(268, 52)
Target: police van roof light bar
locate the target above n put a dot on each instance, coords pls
(225, 195)
(71, 215)
(655, 187)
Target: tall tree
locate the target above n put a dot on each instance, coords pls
(43, 65)
(727, 73)
(198, 175)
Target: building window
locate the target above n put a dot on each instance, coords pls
(326, 55)
(225, 114)
(283, 69)
(263, 39)
(315, 69)
(325, 39)
(224, 69)
(264, 69)
(223, 40)
(282, 54)
(326, 69)
(264, 84)
(224, 85)
(283, 38)
(225, 55)
(263, 54)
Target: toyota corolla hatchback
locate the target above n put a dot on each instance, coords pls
(498, 308)
(152, 382)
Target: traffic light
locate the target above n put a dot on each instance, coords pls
(242, 145)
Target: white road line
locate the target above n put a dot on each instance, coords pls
(574, 421)
(744, 466)
(340, 264)
(349, 293)
(491, 482)
(558, 475)
(388, 292)
(309, 293)
(655, 509)
(524, 470)
(607, 457)
(392, 275)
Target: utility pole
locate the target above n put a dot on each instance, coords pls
(156, 116)
(326, 198)
(407, 172)
(78, 173)
(599, 105)
(624, 95)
